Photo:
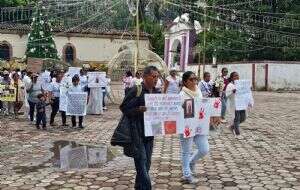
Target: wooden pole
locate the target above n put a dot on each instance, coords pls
(204, 37)
(137, 36)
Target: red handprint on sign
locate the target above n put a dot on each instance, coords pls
(217, 103)
(201, 113)
(187, 131)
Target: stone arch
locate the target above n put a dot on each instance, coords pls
(5, 50)
(176, 54)
(69, 53)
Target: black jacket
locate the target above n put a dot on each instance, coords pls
(135, 135)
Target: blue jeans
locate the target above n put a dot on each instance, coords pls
(201, 142)
(41, 118)
(31, 110)
(240, 117)
(103, 98)
(224, 105)
(142, 166)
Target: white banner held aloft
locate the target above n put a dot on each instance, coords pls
(216, 107)
(163, 115)
(73, 71)
(243, 95)
(199, 123)
(63, 99)
(76, 103)
(96, 79)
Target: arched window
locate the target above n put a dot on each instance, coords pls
(5, 51)
(176, 53)
(69, 53)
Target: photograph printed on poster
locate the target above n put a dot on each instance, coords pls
(189, 108)
(170, 127)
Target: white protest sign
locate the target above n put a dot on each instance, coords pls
(63, 99)
(96, 79)
(45, 80)
(199, 123)
(163, 115)
(216, 106)
(76, 103)
(243, 95)
(74, 71)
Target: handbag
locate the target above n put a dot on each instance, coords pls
(122, 134)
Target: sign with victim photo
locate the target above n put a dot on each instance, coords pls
(163, 115)
(96, 79)
(196, 118)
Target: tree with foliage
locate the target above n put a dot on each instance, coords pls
(40, 40)
(12, 3)
(247, 39)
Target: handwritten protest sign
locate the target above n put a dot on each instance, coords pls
(63, 99)
(243, 95)
(7, 93)
(163, 115)
(96, 79)
(45, 80)
(73, 71)
(76, 103)
(199, 124)
(216, 106)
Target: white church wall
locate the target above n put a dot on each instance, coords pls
(87, 49)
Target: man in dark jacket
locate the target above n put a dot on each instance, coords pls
(133, 107)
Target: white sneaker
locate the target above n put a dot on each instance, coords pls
(223, 121)
(104, 108)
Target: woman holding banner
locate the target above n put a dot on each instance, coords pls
(189, 93)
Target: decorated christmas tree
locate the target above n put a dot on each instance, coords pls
(40, 40)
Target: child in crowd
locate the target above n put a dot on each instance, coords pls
(41, 111)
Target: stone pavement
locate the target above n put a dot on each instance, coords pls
(268, 156)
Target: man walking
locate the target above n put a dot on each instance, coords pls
(222, 82)
(133, 107)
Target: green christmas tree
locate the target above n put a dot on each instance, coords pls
(40, 40)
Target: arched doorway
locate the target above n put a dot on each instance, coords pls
(176, 54)
(69, 53)
(5, 51)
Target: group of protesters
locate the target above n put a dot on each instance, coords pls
(188, 86)
(36, 91)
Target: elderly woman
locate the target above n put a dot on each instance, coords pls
(19, 87)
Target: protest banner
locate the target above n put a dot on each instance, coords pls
(96, 79)
(76, 103)
(45, 80)
(7, 93)
(199, 124)
(63, 99)
(243, 95)
(216, 106)
(34, 65)
(163, 115)
(73, 71)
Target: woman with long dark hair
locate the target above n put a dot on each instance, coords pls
(191, 91)
(236, 116)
